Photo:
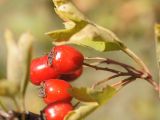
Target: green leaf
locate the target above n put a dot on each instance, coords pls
(13, 59)
(18, 60)
(25, 47)
(8, 88)
(92, 98)
(104, 95)
(82, 111)
(92, 95)
(65, 34)
(82, 94)
(67, 11)
(97, 38)
(82, 31)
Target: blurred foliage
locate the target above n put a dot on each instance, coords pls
(132, 20)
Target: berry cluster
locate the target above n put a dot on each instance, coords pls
(51, 72)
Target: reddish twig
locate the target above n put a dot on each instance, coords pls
(109, 78)
(113, 62)
(102, 68)
(131, 72)
(124, 82)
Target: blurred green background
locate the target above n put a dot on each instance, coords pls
(132, 20)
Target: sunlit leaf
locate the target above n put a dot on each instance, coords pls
(97, 38)
(65, 34)
(82, 111)
(82, 94)
(104, 95)
(92, 95)
(83, 32)
(93, 99)
(67, 11)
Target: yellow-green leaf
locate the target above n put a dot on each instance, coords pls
(18, 60)
(13, 59)
(92, 98)
(81, 31)
(104, 95)
(67, 11)
(93, 95)
(82, 111)
(65, 34)
(97, 38)
(25, 47)
(82, 94)
(8, 88)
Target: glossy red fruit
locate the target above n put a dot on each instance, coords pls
(57, 111)
(72, 76)
(40, 70)
(66, 59)
(56, 90)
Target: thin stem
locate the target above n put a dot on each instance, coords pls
(23, 116)
(95, 58)
(131, 71)
(136, 59)
(111, 61)
(105, 80)
(74, 106)
(157, 39)
(15, 103)
(101, 68)
(147, 74)
(125, 66)
(124, 82)
(154, 84)
(3, 106)
(23, 103)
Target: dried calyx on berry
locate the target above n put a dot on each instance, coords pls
(54, 90)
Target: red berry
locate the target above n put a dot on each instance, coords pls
(40, 70)
(66, 59)
(72, 76)
(56, 90)
(57, 111)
